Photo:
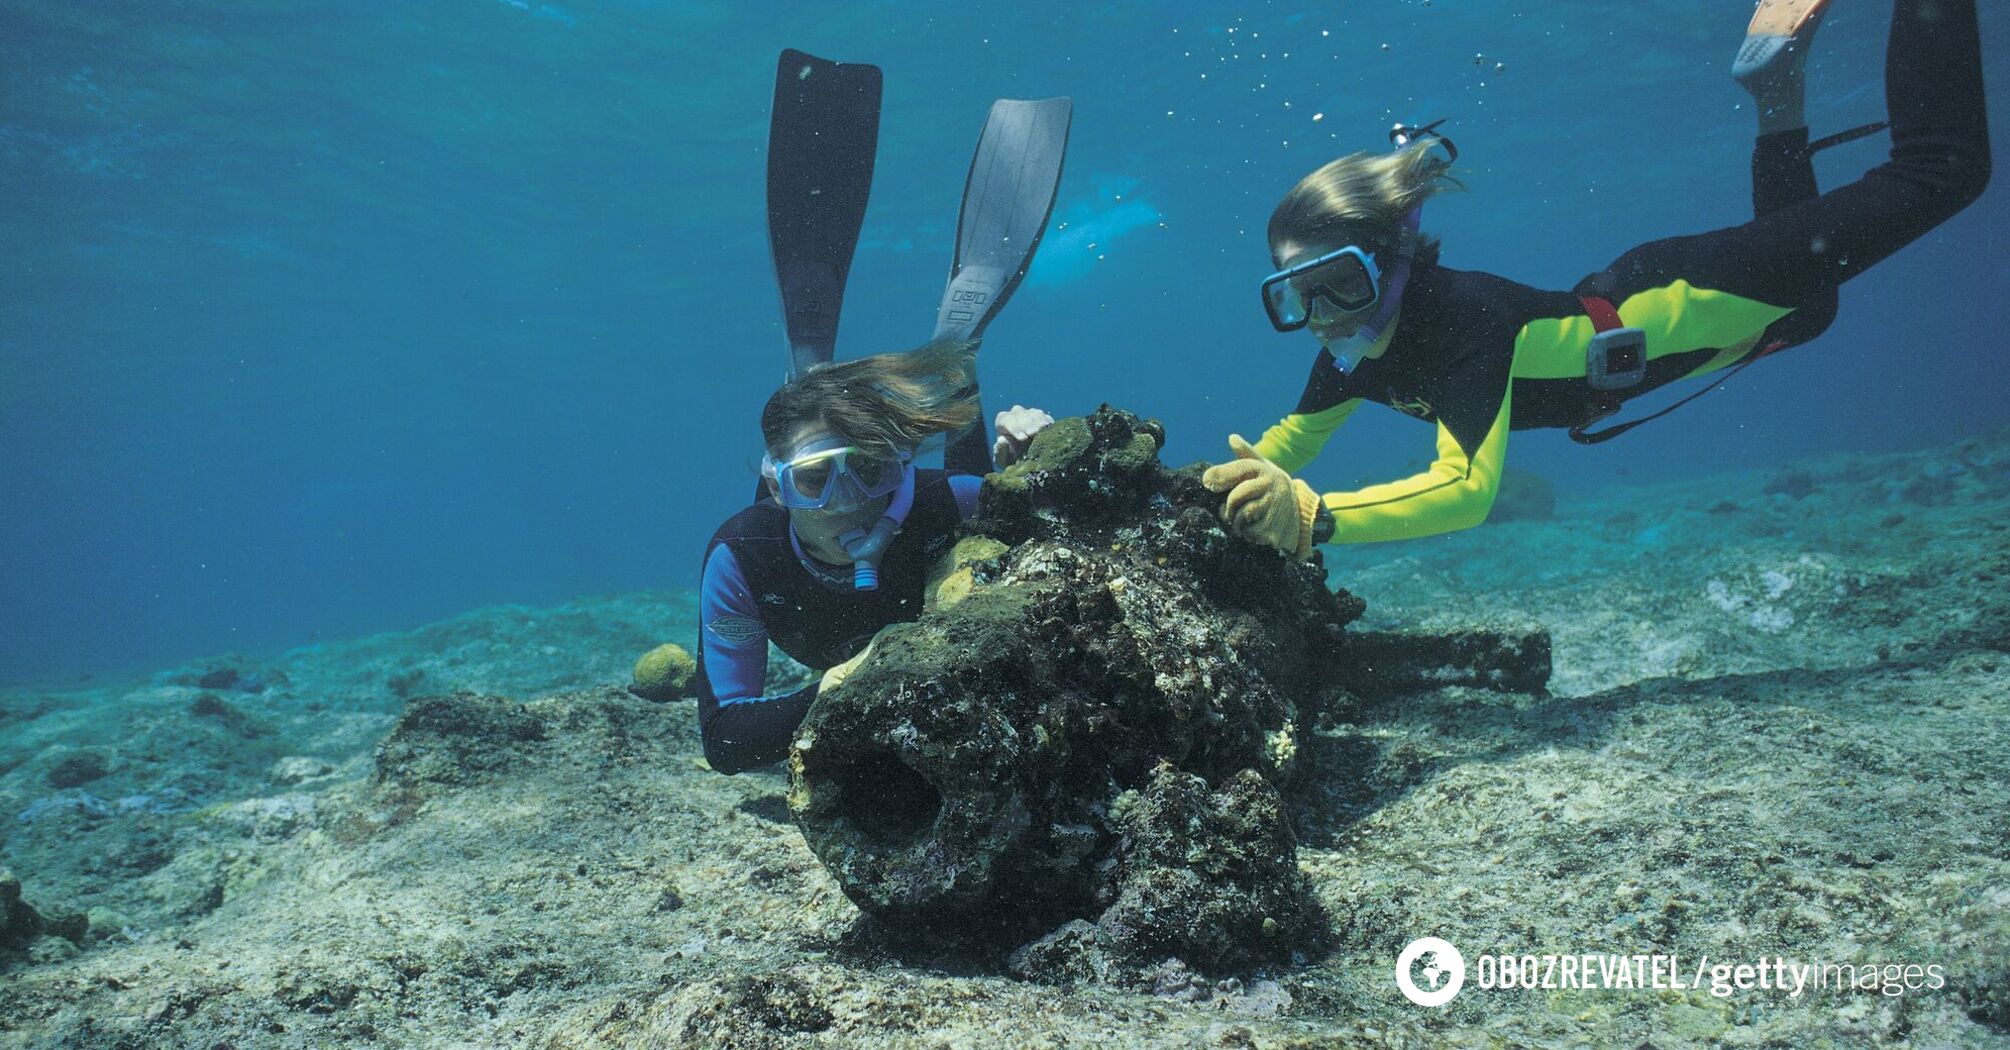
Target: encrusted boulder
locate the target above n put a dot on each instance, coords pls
(1208, 874)
(1099, 637)
(1075, 757)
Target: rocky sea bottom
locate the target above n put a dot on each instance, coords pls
(1778, 727)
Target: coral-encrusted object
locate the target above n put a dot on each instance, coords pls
(1077, 750)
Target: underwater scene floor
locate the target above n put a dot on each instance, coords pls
(1777, 727)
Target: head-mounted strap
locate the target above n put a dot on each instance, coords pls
(1398, 278)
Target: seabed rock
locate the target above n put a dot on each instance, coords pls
(1075, 758)
(455, 739)
(21, 924)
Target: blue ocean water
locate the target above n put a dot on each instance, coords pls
(318, 319)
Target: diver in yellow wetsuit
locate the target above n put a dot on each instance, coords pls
(1479, 355)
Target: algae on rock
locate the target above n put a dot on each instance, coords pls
(1086, 733)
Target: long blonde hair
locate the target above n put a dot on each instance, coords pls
(887, 402)
(1362, 199)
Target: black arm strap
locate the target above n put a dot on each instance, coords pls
(1853, 134)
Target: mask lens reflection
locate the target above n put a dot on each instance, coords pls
(875, 474)
(1286, 305)
(1324, 288)
(838, 479)
(810, 479)
(1343, 284)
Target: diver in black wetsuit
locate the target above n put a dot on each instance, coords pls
(1479, 355)
(844, 527)
(794, 568)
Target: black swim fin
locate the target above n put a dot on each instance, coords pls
(821, 141)
(1006, 201)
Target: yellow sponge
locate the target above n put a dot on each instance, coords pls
(664, 673)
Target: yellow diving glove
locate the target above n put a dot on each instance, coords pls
(1265, 503)
(836, 675)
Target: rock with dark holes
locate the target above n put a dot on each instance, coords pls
(1074, 758)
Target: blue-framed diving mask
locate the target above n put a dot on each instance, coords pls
(829, 474)
(1324, 288)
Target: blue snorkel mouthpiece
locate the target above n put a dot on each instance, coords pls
(867, 547)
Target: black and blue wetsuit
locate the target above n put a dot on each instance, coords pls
(761, 586)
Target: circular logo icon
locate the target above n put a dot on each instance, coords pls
(1430, 971)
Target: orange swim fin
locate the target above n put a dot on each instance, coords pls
(1780, 30)
(1785, 17)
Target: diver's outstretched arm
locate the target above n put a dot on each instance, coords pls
(741, 728)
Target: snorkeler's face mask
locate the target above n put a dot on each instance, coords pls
(827, 474)
(1324, 288)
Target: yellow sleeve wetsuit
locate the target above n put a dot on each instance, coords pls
(1479, 356)
(1518, 360)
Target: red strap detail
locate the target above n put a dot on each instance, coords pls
(1604, 316)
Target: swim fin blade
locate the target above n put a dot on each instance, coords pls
(1778, 27)
(1007, 200)
(1784, 17)
(822, 137)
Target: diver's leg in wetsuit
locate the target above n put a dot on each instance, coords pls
(1783, 175)
(1939, 164)
(969, 452)
(1783, 172)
